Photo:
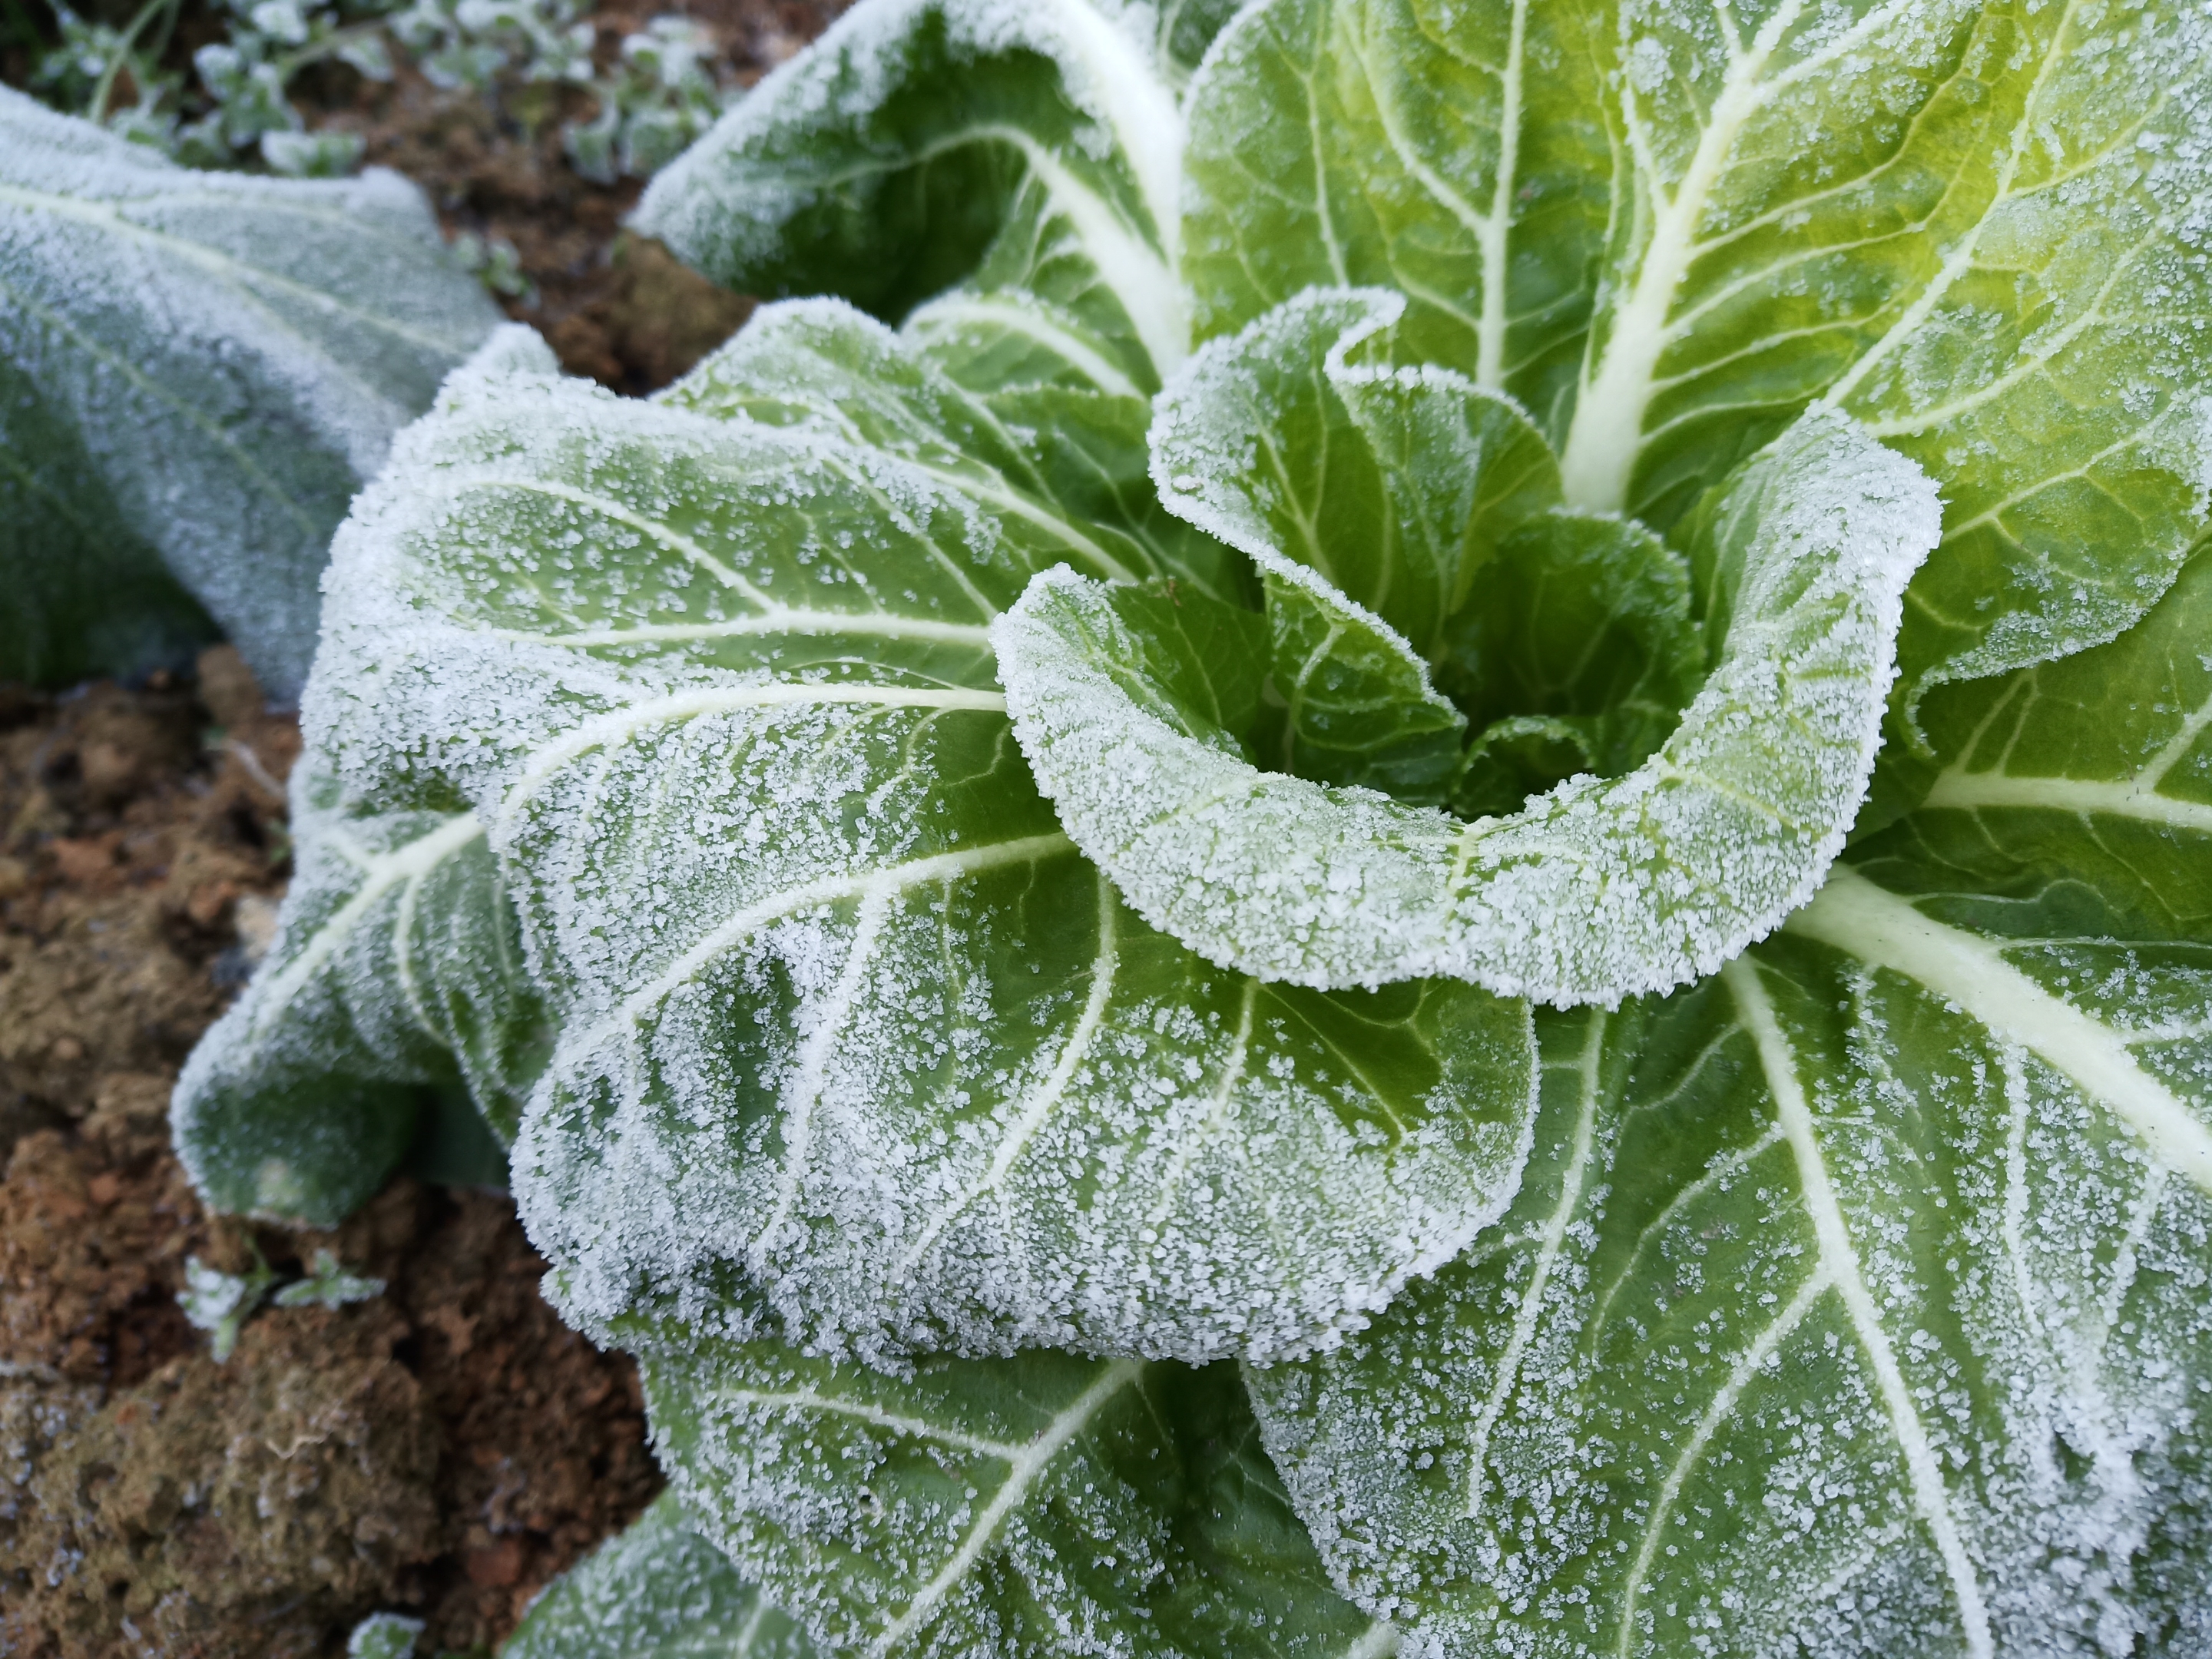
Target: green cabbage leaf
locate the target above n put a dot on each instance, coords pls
(656, 1590)
(1392, 835)
(198, 370)
(1044, 1503)
(1865, 1288)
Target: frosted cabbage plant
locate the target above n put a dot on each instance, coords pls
(197, 372)
(1402, 844)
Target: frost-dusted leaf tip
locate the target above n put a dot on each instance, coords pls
(395, 968)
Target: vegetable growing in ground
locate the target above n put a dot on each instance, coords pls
(1404, 845)
(197, 372)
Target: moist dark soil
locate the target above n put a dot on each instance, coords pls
(442, 1450)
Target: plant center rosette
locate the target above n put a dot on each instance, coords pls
(1402, 841)
(1651, 785)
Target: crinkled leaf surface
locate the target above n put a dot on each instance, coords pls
(1856, 1301)
(841, 1007)
(197, 372)
(658, 1590)
(1411, 534)
(1303, 441)
(396, 966)
(1601, 888)
(1037, 1504)
(1029, 151)
(1667, 228)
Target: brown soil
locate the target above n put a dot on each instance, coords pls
(442, 1449)
(617, 309)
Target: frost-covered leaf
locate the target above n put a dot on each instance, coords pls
(219, 1303)
(1029, 151)
(1302, 441)
(197, 372)
(657, 1591)
(1023, 430)
(396, 966)
(1040, 1506)
(1601, 888)
(86, 594)
(840, 1008)
(384, 1636)
(328, 1285)
(1667, 227)
(1859, 1300)
(1420, 501)
(1417, 147)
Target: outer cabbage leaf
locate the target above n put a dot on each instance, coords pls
(985, 406)
(397, 967)
(1669, 228)
(197, 372)
(1030, 150)
(657, 1591)
(1040, 1506)
(86, 595)
(1859, 1303)
(1601, 888)
(840, 1008)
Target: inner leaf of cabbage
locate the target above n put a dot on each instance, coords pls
(1640, 780)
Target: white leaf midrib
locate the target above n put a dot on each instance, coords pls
(380, 875)
(802, 1097)
(918, 1428)
(954, 309)
(841, 887)
(1030, 1116)
(1839, 1263)
(2134, 795)
(1867, 922)
(1709, 1422)
(1603, 437)
(231, 272)
(1022, 1472)
(779, 619)
(1548, 1246)
(619, 724)
(2084, 797)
